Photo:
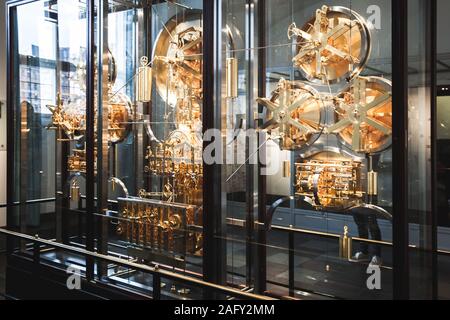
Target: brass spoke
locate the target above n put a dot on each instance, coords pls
(298, 103)
(339, 126)
(338, 31)
(191, 44)
(267, 103)
(272, 123)
(356, 139)
(377, 102)
(300, 126)
(378, 125)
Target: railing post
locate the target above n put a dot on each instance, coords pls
(291, 264)
(156, 285)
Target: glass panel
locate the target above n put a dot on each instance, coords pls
(314, 81)
(419, 141)
(150, 153)
(443, 143)
(49, 48)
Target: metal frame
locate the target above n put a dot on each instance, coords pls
(215, 224)
(432, 35)
(400, 230)
(214, 252)
(156, 272)
(261, 236)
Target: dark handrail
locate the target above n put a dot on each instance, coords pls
(155, 271)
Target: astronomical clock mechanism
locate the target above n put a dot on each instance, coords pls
(334, 120)
(69, 119)
(167, 222)
(162, 224)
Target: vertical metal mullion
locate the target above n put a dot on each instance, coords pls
(145, 37)
(261, 272)
(400, 149)
(102, 130)
(10, 112)
(249, 168)
(61, 157)
(90, 134)
(432, 34)
(214, 255)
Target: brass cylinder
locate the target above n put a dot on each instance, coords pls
(75, 191)
(144, 83)
(372, 183)
(232, 77)
(286, 169)
(345, 245)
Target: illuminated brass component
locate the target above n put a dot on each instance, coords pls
(286, 169)
(77, 161)
(160, 225)
(295, 112)
(363, 117)
(332, 184)
(232, 78)
(345, 245)
(332, 46)
(144, 81)
(119, 116)
(372, 183)
(75, 191)
(178, 57)
(71, 118)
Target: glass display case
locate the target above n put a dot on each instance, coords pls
(314, 81)
(250, 144)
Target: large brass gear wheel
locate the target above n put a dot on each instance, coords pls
(178, 57)
(333, 46)
(363, 115)
(295, 111)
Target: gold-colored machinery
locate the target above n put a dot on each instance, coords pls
(333, 46)
(169, 220)
(182, 176)
(71, 119)
(178, 58)
(363, 115)
(330, 183)
(161, 226)
(295, 111)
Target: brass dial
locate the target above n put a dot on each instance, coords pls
(295, 111)
(178, 57)
(363, 115)
(331, 47)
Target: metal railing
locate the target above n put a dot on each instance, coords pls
(156, 272)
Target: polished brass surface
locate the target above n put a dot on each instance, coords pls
(119, 117)
(333, 46)
(71, 118)
(144, 81)
(232, 78)
(160, 225)
(286, 169)
(372, 183)
(178, 57)
(332, 184)
(345, 245)
(294, 112)
(75, 191)
(364, 115)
